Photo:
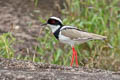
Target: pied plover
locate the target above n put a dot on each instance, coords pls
(70, 35)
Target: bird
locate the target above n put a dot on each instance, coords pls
(70, 35)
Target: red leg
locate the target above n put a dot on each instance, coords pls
(76, 59)
(75, 53)
(72, 57)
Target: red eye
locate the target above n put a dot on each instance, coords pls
(52, 21)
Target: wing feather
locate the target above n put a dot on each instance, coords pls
(76, 34)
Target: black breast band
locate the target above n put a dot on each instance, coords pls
(56, 33)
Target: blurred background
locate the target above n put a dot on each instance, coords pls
(22, 37)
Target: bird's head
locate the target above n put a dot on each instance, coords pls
(54, 23)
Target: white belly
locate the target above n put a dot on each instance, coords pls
(66, 40)
(69, 41)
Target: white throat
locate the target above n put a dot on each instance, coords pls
(54, 27)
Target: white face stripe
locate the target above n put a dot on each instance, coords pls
(56, 18)
(54, 27)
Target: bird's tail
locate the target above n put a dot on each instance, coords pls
(99, 37)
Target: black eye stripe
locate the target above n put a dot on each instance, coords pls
(54, 22)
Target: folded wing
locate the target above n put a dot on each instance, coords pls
(76, 34)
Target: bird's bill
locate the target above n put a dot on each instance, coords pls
(44, 24)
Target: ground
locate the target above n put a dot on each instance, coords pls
(12, 69)
(23, 14)
(16, 16)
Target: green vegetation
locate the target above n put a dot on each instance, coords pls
(96, 16)
(6, 40)
(36, 2)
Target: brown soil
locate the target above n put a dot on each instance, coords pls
(24, 14)
(12, 69)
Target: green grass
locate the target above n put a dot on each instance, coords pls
(6, 40)
(96, 16)
(36, 3)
